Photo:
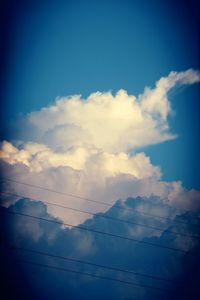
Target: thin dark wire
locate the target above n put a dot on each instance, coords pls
(54, 191)
(94, 275)
(105, 216)
(100, 232)
(96, 201)
(94, 264)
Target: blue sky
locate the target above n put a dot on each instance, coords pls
(105, 146)
(78, 47)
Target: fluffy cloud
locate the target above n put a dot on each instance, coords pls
(155, 102)
(88, 147)
(102, 176)
(38, 157)
(82, 146)
(113, 123)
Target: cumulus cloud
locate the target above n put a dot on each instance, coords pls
(83, 147)
(184, 199)
(155, 102)
(113, 123)
(102, 176)
(38, 157)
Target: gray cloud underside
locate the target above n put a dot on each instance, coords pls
(52, 238)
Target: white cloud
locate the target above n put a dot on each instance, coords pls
(83, 147)
(90, 173)
(38, 157)
(113, 123)
(155, 102)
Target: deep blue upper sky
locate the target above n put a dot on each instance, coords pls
(56, 48)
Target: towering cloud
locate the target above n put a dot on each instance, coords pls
(84, 146)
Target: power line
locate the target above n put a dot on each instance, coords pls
(95, 276)
(93, 264)
(96, 201)
(104, 216)
(100, 232)
(54, 191)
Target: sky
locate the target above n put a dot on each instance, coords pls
(74, 47)
(100, 100)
